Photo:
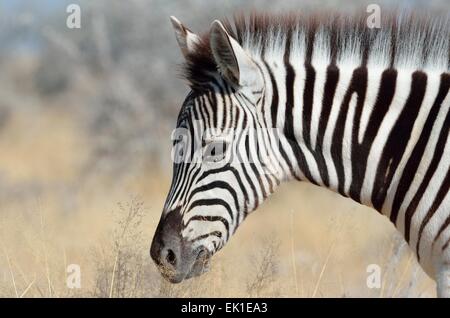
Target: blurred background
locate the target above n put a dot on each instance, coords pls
(85, 122)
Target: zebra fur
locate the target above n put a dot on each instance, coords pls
(363, 112)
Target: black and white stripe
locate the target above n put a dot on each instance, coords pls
(363, 112)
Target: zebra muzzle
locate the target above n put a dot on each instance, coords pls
(176, 258)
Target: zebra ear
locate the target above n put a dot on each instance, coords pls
(233, 62)
(186, 38)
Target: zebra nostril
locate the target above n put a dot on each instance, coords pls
(170, 257)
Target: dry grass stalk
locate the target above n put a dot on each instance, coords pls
(264, 268)
(11, 272)
(121, 265)
(294, 264)
(322, 271)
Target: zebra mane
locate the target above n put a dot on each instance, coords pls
(404, 40)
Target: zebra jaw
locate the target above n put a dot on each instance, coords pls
(201, 265)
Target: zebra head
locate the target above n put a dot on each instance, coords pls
(221, 156)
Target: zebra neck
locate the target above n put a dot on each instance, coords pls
(351, 128)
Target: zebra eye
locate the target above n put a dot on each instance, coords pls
(215, 151)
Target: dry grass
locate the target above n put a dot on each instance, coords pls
(264, 265)
(120, 265)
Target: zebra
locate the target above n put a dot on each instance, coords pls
(314, 97)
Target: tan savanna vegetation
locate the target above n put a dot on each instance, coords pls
(85, 121)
